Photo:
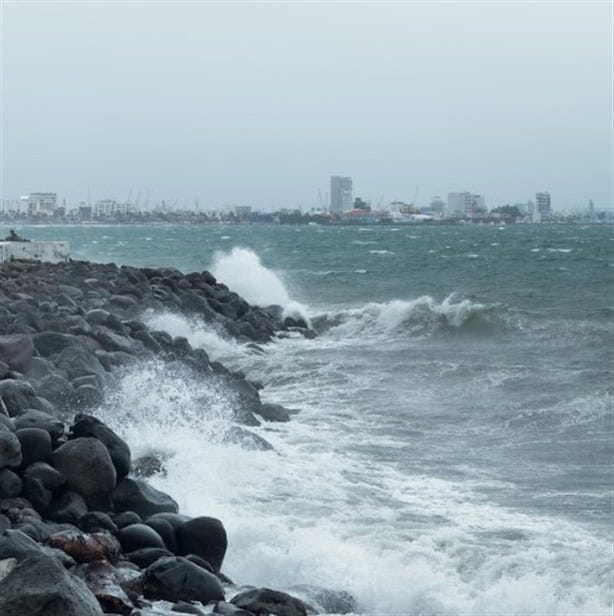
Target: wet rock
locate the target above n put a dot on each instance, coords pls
(7, 422)
(87, 466)
(56, 389)
(84, 547)
(205, 537)
(136, 536)
(5, 523)
(33, 418)
(329, 601)
(136, 495)
(126, 518)
(40, 586)
(88, 426)
(17, 396)
(88, 397)
(105, 581)
(264, 602)
(10, 484)
(16, 544)
(16, 351)
(95, 521)
(10, 448)
(37, 494)
(273, 412)
(52, 342)
(35, 445)
(147, 556)
(177, 579)
(77, 361)
(246, 439)
(166, 532)
(228, 609)
(147, 466)
(69, 507)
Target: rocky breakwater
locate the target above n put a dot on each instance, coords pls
(81, 534)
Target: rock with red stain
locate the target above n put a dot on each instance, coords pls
(85, 548)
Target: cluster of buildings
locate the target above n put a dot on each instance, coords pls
(341, 208)
(459, 206)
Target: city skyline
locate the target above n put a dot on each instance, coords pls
(218, 114)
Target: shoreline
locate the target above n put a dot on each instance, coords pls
(81, 527)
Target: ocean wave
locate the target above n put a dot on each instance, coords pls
(420, 316)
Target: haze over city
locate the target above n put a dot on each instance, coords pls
(260, 104)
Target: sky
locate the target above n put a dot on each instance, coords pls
(260, 103)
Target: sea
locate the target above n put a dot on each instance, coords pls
(453, 448)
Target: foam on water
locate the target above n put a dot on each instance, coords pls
(199, 334)
(418, 316)
(314, 513)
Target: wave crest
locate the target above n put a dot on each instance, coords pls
(421, 316)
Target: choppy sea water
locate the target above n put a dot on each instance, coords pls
(454, 448)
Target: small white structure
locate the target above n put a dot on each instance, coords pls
(53, 252)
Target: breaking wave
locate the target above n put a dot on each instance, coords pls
(421, 316)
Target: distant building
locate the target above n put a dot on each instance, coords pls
(85, 212)
(243, 211)
(544, 209)
(340, 194)
(438, 205)
(39, 203)
(459, 203)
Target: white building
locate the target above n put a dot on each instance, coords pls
(459, 203)
(340, 194)
(41, 204)
(544, 208)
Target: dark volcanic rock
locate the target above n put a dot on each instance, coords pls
(69, 507)
(33, 418)
(96, 521)
(17, 396)
(76, 361)
(16, 351)
(166, 532)
(87, 466)
(136, 536)
(52, 342)
(125, 518)
(246, 439)
(177, 579)
(88, 426)
(264, 601)
(16, 544)
(136, 495)
(35, 445)
(273, 412)
(56, 389)
(205, 537)
(147, 556)
(40, 586)
(10, 448)
(10, 484)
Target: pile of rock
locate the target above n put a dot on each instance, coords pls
(82, 536)
(81, 533)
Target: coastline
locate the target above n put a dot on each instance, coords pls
(73, 502)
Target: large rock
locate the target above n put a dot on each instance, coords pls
(40, 586)
(205, 537)
(10, 484)
(33, 418)
(177, 579)
(16, 351)
(10, 448)
(35, 445)
(84, 547)
(77, 361)
(135, 495)
(136, 536)
(70, 507)
(264, 601)
(87, 466)
(56, 389)
(51, 342)
(273, 412)
(16, 544)
(17, 396)
(88, 426)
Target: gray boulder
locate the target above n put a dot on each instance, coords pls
(16, 351)
(10, 448)
(87, 466)
(177, 579)
(135, 495)
(264, 601)
(40, 586)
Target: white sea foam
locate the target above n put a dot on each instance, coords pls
(242, 270)
(314, 513)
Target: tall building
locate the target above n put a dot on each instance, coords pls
(543, 207)
(39, 203)
(340, 193)
(459, 203)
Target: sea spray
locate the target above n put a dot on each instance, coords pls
(243, 271)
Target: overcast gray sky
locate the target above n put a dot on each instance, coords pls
(259, 103)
